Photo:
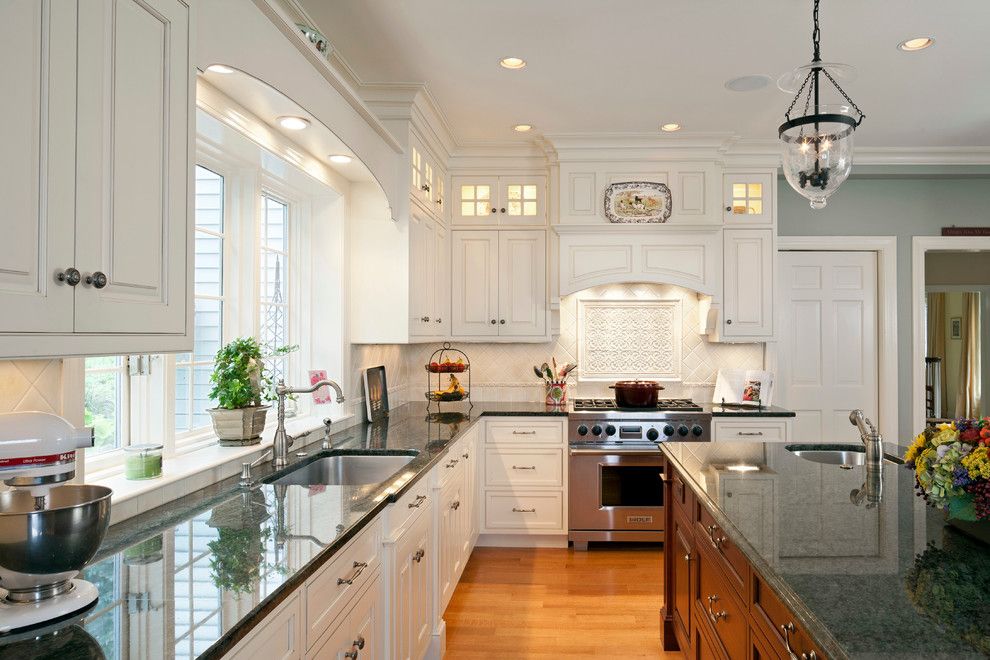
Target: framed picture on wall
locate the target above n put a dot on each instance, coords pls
(955, 327)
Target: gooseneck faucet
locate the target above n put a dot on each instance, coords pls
(872, 489)
(280, 454)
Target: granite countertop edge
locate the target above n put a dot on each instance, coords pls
(818, 631)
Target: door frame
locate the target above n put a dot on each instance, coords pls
(885, 248)
(919, 246)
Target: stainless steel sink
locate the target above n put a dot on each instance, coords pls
(346, 470)
(845, 456)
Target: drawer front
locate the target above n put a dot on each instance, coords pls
(711, 536)
(740, 431)
(329, 591)
(277, 638)
(507, 467)
(777, 624)
(399, 515)
(449, 467)
(538, 512)
(680, 495)
(718, 608)
(703, 647)
(525, 431)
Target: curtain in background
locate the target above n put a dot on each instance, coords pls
(936, 341)
(968, 392)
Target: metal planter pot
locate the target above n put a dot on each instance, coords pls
(240, 426)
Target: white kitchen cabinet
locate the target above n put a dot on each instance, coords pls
(491, 201)
(278, 637)
(110, 200)
(426, 179)
(748, 285)
(358, 633)
(748, 198)
(410, 584)
(428, 279)
(450, 532)
(499, 284)
(727, 429)
(469, 495)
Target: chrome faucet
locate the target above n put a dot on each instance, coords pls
(282, 440)
(869, 435)
(872, 489)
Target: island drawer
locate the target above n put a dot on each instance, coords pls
(525, 431)
(762, 430)
(784, 634)
(515, 511)
(680, 495)
(507, 467)
(711, 536)
(333, 586)
(719, 610)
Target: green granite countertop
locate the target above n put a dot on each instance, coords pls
(887, 581)
(190, 578)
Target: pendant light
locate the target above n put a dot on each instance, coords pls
(818, 144)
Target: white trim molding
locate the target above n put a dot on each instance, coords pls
(885, 248)
(920, 245)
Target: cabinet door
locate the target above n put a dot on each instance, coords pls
(474, 283)
(683, 558)
(421, 593)
(522, 296)
(449, 545)
(417, 174)
(748, 198)
(748, 283)
(522, 200)
(366, 625)
(133, 168)
(37, 163)
(475, 199)
(278, 637)
(422, 274)
(469, 496)
(441, 284)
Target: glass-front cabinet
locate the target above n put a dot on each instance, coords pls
(748, 198)
(503, 200)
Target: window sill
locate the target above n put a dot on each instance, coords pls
(187, 473)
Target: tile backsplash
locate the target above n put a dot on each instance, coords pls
(504, 372)
(31, 385)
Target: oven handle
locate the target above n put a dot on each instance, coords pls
(615, 452)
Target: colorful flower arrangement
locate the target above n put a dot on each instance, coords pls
(952, 468)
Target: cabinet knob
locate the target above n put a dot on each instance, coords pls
(439, 200)
(425, 187)
(418, 557)
(439, 320)
(455, 505)
(69, 276)
(493, 321)
(728, 321)
(425, 319)
(494, 210)
(97, 280)
(502, 209)
(502, 322)
(359, 642)
(728, 208)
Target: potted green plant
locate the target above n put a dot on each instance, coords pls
(240, 385)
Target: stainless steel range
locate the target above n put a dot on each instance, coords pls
(616, 470)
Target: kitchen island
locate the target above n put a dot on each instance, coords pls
(773, 555)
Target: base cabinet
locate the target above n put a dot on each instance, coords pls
(358, 635)
(278, 637)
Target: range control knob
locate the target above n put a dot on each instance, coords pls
(668, 430)
(652, 435)
(697, 431)
(596, 430)
(582, 430)
(682, 430)
(609, 430)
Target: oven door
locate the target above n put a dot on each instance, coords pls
(612, 491)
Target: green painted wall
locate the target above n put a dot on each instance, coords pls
(891, 206)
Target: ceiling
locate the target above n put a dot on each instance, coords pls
(626, 66)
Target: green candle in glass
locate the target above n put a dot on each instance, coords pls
(143, 461)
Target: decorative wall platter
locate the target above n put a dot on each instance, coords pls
(637, 201)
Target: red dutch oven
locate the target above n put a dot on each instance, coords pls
(637, 393)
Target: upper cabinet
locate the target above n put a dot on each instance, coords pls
(101, 214)
(426, 179)
(492, 201)
(429, 290)
(749, 198)
(748, 285)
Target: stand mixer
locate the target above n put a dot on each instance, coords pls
(48, 530)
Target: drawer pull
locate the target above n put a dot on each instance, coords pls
(359, 642)
(516, 510)
(745, 433)
(524, 433)
(452, 463)
(455, 505)
(352, 654)
(418, 555)
(359, 567)
(711, 532)
(465, 455)
(687, 558)
(418, 502)
(719, 541)
(787, 629)
(523, 467)
(713, 616)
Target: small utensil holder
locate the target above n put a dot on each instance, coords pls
(556, 392)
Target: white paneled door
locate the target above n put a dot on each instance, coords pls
(828, 350)
(523, 281)
(474, 283)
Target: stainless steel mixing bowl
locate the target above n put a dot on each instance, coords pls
(41, 550)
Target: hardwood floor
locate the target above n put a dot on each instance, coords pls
(557, 603)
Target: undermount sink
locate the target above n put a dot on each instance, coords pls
(845, 456)
(347, 470)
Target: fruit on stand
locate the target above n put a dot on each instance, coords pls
(447, 366)
(454, 392)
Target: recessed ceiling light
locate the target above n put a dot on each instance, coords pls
(670, 128)
(292, 123)
(522, 128)
(512, 62)
(219, 68)
(748, 83)
(341, 159)
(918, 43)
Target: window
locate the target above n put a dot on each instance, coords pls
(192, 370)
(106, 401)
(273, 303)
